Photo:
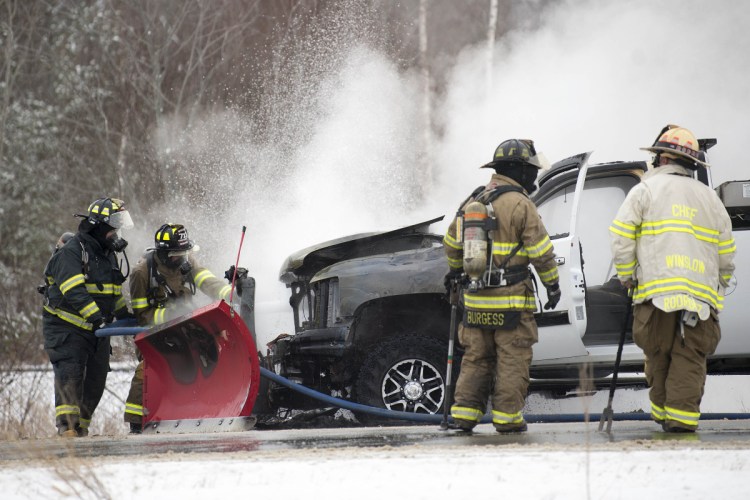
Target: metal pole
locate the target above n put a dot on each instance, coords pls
(608, 413)
(234, 276)
(451, 344)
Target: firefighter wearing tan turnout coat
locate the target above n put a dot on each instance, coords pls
(672, 240)
(162, 287)
(498, 327)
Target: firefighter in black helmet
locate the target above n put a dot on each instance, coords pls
(503, 231)
(162, 287)
(83, 292)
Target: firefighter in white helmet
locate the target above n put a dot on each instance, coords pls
(672, 242)
(489, 247)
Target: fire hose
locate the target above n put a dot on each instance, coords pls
(424, 418)
(437, 418)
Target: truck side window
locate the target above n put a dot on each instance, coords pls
(556, 211)
(601, 200)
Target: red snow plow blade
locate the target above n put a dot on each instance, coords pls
(199, 366)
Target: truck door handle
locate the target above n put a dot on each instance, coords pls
(560, 261)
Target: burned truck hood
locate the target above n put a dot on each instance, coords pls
(408, 272)
(304, 264)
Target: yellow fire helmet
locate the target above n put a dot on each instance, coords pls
(680, 143)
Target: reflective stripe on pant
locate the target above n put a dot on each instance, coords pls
(134, 403)
(500, 418)
(675, 372)
(496, 362)
(463, 413)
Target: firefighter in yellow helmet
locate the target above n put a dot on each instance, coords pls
(498, 328)
(162, 287)
(672, 242)
(82, 293)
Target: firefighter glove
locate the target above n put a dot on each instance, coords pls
(98, 325)
(241, 273)
(553, 296)
(229, 274)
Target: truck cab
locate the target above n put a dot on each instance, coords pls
(372, 319)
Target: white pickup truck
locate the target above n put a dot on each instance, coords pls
(577, 204)
(372, 320)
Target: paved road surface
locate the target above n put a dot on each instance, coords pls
(713, 434)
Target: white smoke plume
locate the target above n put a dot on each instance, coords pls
(606, 77)
(602, 76)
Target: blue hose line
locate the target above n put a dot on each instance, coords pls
(437, 419)
(348, 405)
(123, 327)
(120, 327)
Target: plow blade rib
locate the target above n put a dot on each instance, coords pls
(203, 365)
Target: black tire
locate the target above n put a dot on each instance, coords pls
(403, 374)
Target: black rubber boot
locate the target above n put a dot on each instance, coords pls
(136, 428)
(673, 427)
(461, 426)
(511, 428)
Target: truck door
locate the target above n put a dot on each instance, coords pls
(561, 329)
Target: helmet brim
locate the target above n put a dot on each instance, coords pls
(183, 251)
(499, 163)
(659, 149)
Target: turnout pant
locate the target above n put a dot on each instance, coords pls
(675, 367)
(496, 363)
(134, 403)
(80, 362)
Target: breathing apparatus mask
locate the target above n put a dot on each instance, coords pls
(175, 259)
(108, 237)
(115, 242)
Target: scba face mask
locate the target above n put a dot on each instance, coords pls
(115, 242)
(175, 260)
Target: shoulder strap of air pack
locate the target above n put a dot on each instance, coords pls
(499, 191)
(472, 196)
(487, 199)
(155, 278)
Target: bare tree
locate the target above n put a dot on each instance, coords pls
(424, 70)
(491, 31)
(86, 87)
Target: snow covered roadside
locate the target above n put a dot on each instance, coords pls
(625, 470)
(32, 393)
(588, 469)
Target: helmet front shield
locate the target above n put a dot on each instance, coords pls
(120, 220)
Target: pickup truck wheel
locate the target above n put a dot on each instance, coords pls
(405, 374)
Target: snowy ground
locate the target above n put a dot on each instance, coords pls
(422, 466)
(34, 397)
(544, 464)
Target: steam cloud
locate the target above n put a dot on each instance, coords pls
(593, 75)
